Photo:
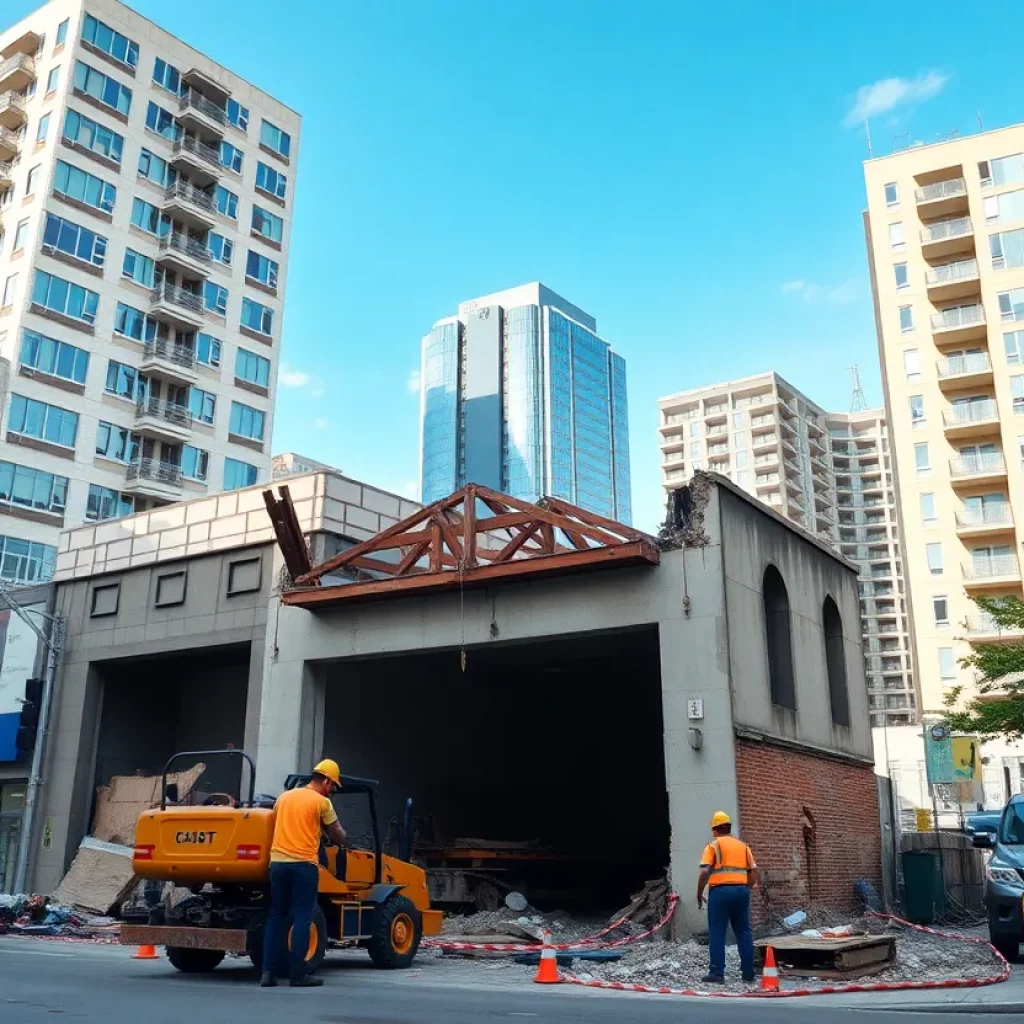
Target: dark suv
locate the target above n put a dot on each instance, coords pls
(1004, 879)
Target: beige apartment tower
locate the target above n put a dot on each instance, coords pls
(945, 235)
(827, 472)
(146, 196)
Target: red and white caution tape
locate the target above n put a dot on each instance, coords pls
(826, 990)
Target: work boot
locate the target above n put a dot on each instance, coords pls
(267, 980)
(713, 979)
(306, 981)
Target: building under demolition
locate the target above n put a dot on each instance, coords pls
(537, 680)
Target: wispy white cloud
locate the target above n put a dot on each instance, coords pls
(830, 294)
(321, 423)
(413, 382)
(292, 377)
(888, 93)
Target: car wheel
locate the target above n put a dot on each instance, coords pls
(1009, 948)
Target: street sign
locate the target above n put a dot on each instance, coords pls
(938, 755)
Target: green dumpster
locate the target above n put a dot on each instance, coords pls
(923, 888)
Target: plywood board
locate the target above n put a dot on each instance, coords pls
(100, 876)
(119, 804)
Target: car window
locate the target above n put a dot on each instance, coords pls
(1013, 825)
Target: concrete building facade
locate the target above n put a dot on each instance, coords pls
(146, 196)
(944, 227)
(520, 393)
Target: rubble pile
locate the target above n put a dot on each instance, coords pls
(25, 914)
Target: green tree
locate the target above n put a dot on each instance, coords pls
(997, 709)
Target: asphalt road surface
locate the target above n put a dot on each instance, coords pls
(42, 981)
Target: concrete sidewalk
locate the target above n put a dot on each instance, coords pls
(1006, 997)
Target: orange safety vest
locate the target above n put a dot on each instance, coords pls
(730, 860)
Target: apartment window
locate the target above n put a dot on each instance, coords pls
(226, 202)
(896, 239)
(117, 443)
(892, 194)
(934, 554)
(695, 449)
(202, 404)
(743, 478)
(270, 180)
(246, 421)
(778, 634)
(138, 268)
(741, 459)
(947, 663)
(23, 561)
(162, 122)
(739, 441)
(912, 365)
(921, 457)
(85, 132)
(916, 410)
(195, 463)
(57, 358)
(1017, 390)
(32, 181)
(64, 297)
(1007, 249)
(124, 381)
(238, 115)
(207, 350)
(1003, 170)
(940, 610)
(167, 75)
(1013, 343)
(215, 298)
(902, 280)
(252, 368)
(257, 317)
(135, 324)
(239, 474)
(102, 88)
(21, 234)
(33, 488)
(156, 169)
(906, 318)
(104, 38)
(86, 188)
(74, 240)
(62, 32)
(928, 509)
(222, 248)
(147, 217)
(273, 138)
(267, 225)
(263, 269)
(231, 157)
(106, 503)
(44, 128)
(1011, 304)
(42, 421)
(9, 287)
(694, 429)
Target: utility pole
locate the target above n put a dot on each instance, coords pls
(858, 403)
(53, 641)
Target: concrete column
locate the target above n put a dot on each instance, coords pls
(254, 691)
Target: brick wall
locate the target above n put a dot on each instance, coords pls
(781, 789)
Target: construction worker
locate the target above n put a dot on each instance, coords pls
(728, 868)
(303, 814)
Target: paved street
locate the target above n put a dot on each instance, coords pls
(39, 981)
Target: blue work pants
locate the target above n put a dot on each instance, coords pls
(730, 904)
(293, 891)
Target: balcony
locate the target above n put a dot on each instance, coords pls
(945, 237)
(671, 460)
(195, 111)
(991, 571)
(971, 419)
(959, 323)
(12, 111)
(954, 280)
(671, 442)
(771, 459)
(185, 255)
(153, 478)
(993, 518)
(199, 161)
(6, 176)
(167, 421)
(177, 306)
(17, 72)
(985, 629)
(190, 205)
(764, 442)
(964, 371)
(164, 360)
(716, 413)
(942, 198)
(9, 144)
(976, 469)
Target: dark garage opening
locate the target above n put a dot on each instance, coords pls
(153, 707)
(557, 742)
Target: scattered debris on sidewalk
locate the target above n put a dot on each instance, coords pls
(36, 915)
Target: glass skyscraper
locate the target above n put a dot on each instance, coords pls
(519, 393)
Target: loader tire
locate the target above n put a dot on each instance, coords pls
(397, 931)
(194, 961)
(317, 944)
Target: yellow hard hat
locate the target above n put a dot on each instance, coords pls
(330, 769)
(720, 818)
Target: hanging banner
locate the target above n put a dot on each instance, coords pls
(938, 755)
(19, 646)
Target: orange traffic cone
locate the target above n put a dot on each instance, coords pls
(770, 973)
(547, 969)
(146, 953)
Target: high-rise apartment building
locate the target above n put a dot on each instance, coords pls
(519, 393)
(827, 472)
(146, 196)
(945, 234)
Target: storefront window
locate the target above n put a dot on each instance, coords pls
(12, 800)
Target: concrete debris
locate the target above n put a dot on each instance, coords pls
(516, 901)
(25, 914)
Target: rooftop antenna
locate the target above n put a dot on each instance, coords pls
(858, 403)
(867, 132)
(980, 126)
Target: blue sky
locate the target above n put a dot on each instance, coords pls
(686, 173)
